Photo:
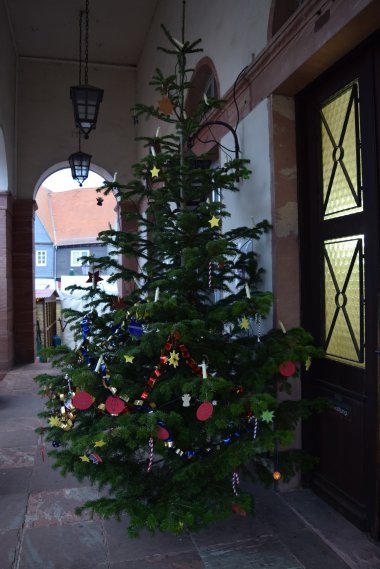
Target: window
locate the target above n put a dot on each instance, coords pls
(41, 258)
(76, 255)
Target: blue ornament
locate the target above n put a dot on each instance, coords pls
(135, 328)
(56, 444)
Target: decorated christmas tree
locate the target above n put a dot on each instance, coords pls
(169, 398)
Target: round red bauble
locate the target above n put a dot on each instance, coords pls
(82, 400)
(162, 434)
(238, 510)
(287, 369)
(114, 405)
(204, 411)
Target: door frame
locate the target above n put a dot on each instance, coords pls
(363, 59)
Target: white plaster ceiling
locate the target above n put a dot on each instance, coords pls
(49, 29)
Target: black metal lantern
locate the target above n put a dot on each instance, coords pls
(80, 166)
(86, 99)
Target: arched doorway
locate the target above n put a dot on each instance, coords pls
(68, 220)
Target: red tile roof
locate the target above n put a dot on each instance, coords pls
(45, 293)
(73, 217)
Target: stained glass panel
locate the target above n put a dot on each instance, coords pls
(341, 154)
(344, 295)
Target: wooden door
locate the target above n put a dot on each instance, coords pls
(338, 163)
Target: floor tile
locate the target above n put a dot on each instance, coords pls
(20, 431)
(14, 480)
(19, 406)
(234, 529)
(75, 546)
(17, 457)
(335, 531)
(269, 553)
(180, 561)
(12, 508)
(44, 478)
(8, 549)
(57, 507)
(123, 548)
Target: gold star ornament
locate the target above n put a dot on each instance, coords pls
(100, 444)
(173, 359)
(129, 359)
(155, 171)
(244, 324)
(54, 421)
(84, 458)
(214, 221)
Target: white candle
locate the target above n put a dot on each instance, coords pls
(203, 365)
(100, 361)
(157, 294)
(157, 132)
(247, 291)
(153, 152)
(282, 327)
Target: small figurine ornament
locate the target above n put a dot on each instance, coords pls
(186, 399)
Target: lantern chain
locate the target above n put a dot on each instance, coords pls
(86, 46)
(80, 46)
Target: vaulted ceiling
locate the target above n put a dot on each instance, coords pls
(49, 29)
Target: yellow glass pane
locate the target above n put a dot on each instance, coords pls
(344, 291)
(341, 163)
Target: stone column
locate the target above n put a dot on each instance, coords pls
(6, 283)
(23, 281)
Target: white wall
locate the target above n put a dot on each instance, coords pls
(231, 32)
(7, 101)
(253, 203)
(47, 134)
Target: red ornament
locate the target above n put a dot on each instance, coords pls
(82, 400)
(94, 277)
(204, 411)
(287, 369)
(162, 434)
(118, 303)
(114, 405)
(151, 381)
(237, 509)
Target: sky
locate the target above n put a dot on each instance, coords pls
(62, 181)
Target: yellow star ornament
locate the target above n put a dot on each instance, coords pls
(84, 458)
(244, 324)
(100, 444)
(173, 359)
(214, 221)
(54, 421)
(154, 171)
(129, 359)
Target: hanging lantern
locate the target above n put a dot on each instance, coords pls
(80, 166)
(86, 99)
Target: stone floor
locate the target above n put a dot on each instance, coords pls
(39, 529)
